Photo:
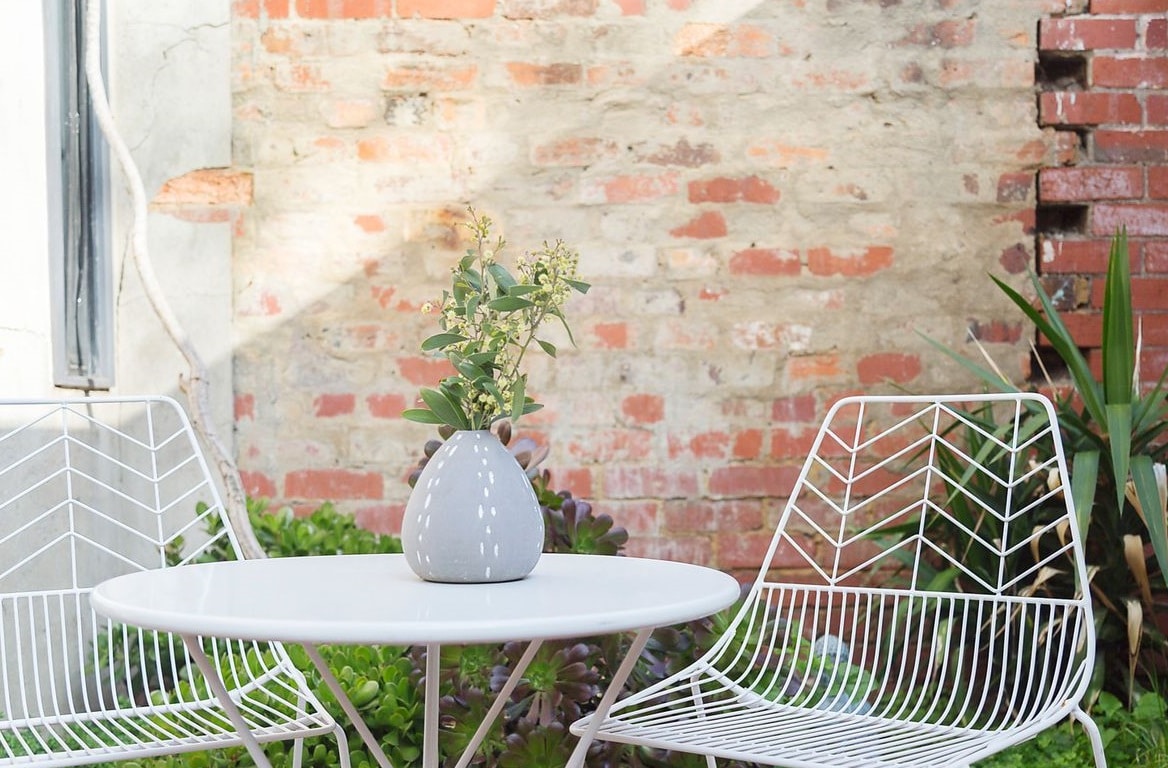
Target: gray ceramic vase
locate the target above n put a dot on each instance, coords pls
(473, 516)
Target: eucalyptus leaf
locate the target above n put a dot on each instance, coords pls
(509, 304)
(518, 398)
(578, 285)
(422, 416)
(501, 276)
(447, 409)
(441, 341)
(547, 347)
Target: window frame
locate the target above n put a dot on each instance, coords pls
(80, 248)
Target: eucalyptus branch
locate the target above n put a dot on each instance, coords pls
(489, 319)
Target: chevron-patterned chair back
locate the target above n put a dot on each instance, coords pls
(91, 489)
(924, 601)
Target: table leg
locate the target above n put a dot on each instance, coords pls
(195, 649)
(430, 707)
(499, 702)
(351, 712)
(614, 688)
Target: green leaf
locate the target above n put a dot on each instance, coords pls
(522, 289)
(518, 397)
(441, 340)
(1052, 327)
(422, 416)
(1118, 345)
(578, 285)
(502, 277)
(547, 347)
(446, 408)
(468, 369)
(1143, 477)
(1119, 432)
(1084, 481)
(509, 304)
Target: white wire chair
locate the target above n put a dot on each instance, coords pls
(945, 614)
(91, 489)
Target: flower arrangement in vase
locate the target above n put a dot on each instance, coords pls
(472, 515)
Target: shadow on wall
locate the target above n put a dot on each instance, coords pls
(768, 200)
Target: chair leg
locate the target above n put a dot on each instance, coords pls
(711, 762)
(342, 745)
(1092, 733)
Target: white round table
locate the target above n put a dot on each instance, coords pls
(376, 599)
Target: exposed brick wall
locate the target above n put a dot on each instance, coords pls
(1104, 89)
(772, 200)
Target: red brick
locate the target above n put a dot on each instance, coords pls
(207, 187)
(257, 485)
(574, 152)
(765, 262)
(751, 189)
(684, 154)
(381, 518)
(995, 331)
(643, 409)
(527, 74)
(369, 224)
(576, 481)
(943, 34)
(1156, 257)
(1149, 294)
(683, 549)
(328, 405)
(705, 225)
(1084, 108)
(244, 407)
(623, 482)
(799, 409)
(744, 550)
(636, 189)
(1073, 256)
(705, 445)
(1158, 182)
(446, 9)
(344, 9)
(1015, 187)
(640, 518)
(1090, 183)
(1157, 107)
(631, 7)
(857, 263)
(386, 406)
(419, 78)
(1145, 220)
(1131, 147)
(814, 368)
(1156, 36)
(424, 371)
(1133, 72)
(611, 335)
(740, 481)
(326, 484)
(792, 443)
(254, 9)
(1085, 327)
(888, 366)
(612, 445)
(1128, 6)
(734, 515)
(710, 40)
(1084, 33)
(747, 444)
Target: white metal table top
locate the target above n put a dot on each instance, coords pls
(376, 599)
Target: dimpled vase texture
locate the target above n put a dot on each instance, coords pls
(472, 516)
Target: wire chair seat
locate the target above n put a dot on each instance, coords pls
(91, 489)
(893, 651)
